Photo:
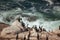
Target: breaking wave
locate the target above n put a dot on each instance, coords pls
(30, 18)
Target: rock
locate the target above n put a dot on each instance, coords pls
(16, 27)
(33, 32)
(9, 34)
(3, 25)
(23, 34)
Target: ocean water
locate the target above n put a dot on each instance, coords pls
(30, 18)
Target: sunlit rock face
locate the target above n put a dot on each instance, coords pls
(33, 12)
(2, 26)
(14, 28)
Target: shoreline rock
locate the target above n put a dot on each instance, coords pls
(31, 34)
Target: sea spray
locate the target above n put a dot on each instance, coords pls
(41, 20)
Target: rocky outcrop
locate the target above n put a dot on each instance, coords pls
(3, 25)
(14, 28)
(32, 34)
(17, 31)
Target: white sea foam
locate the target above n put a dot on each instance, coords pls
(48, 25)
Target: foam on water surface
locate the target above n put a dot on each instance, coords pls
(40, 21)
